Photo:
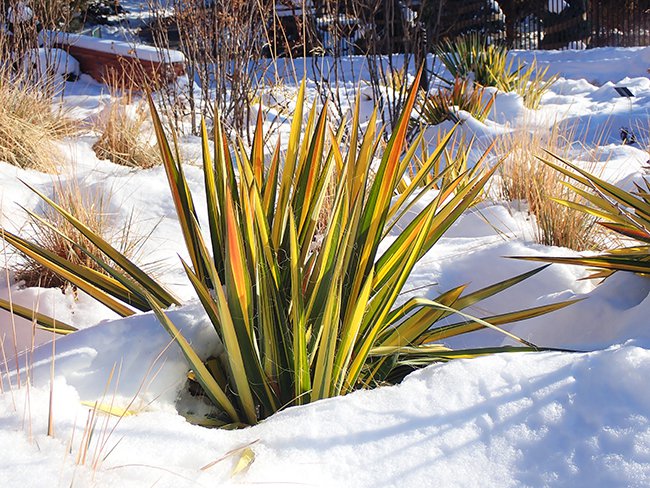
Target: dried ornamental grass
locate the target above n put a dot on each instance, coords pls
(525, 177)
(123, 136)
(29, 127)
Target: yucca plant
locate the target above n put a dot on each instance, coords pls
(626, 213)
(471, 56)
(305, 314)
(531, 82)
(445, 103)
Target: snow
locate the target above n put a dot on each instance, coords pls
(597, 65)
(546, 419)
(19, 13)
(542, 419)
(42, 60)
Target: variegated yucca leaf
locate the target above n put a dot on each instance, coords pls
(43, 321)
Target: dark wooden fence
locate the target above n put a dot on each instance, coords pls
(396, 25)
(562, 24)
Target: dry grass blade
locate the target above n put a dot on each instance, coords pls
(232, 452)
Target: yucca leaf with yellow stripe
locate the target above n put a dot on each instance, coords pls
(639, 205)
(181, 194)
(43, 321)
(289, 170)
(301, 370)
(84, 278)
(215, 392)
(409, 330)
(471, 325)
(212, 201)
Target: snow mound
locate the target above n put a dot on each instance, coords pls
(542, 419)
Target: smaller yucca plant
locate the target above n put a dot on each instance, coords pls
(529, 81)
(472, 57)
(533, 83)
(445, 103)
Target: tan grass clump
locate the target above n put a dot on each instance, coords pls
(525, 177)
(29, 127)
(55, 233)
(124, 130)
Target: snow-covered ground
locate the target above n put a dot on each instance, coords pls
(544, 419)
